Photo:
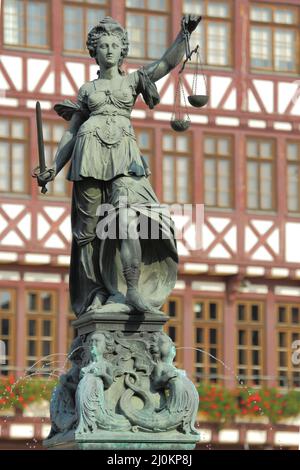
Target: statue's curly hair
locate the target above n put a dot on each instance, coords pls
(108, 26)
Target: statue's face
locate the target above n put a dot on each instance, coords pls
(109, 50)
(167, 348)
(97, 344)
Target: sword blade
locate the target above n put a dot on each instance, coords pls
(39, 125)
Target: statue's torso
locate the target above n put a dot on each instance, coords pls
(106, 145)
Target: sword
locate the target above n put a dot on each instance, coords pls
(41, 169)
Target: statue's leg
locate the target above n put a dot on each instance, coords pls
(87, 290)
(131, 257)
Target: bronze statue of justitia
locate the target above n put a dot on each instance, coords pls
(107, 168)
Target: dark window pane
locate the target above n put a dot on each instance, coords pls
(295, 336)
(5, 327)
(172, 308)
(5, 300)
(213, 336)
(282, 359)
(46, 349)
(213, 354)
(46, 302)
(31, 348)
(256, 377)
(199, 373)
(199, 356)
(46, 328)
(255, 338)
(213, 311)
(199, 335)
(282, 315)
(254, 313)
(295, 315)
(32, 301)
(242, 357)
(32, 328)
(282, 340)
(172, 333)
(255, 358)
(283, 382)
(296, 379)
(241, 313)
(242, 337)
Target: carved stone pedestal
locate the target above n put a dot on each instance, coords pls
(123, 391)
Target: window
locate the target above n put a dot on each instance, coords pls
(260, 174)
(26, 23)
(80, 16)
(148, 31)
(273, 38)
(218, 171)
(7, 328)
(250, 364)
(174, 309)
(52, 132)
(287, 332)
(41, 308)
(208, 340)
(293, 176)
(145, 143)
(13, 155)
(177, 161)
(214, 32)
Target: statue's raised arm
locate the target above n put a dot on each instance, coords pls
(174, 54)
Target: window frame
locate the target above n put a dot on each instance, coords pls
(289, 328)
(206, 19)
(85, 5)
(206, 324)
(138, 130)
(54, 144)
(295, 164)
(217, 158)
(259, 160)
(26, 142)
(48, 46)
(9, 315)
(272, 27)
(174, 154)
(177, 323)
(39, 316)
(249, 326)
(146, 13)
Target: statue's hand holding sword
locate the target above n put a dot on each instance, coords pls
(41, 172)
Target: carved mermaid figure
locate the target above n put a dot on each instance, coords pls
(107, 168)
(62, 406)
(180, 398)
(93, 410)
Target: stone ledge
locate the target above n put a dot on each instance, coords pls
(122, 441)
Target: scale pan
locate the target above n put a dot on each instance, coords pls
(180, 125)
(198, 100)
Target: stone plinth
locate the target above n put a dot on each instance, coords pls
(123, 391)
